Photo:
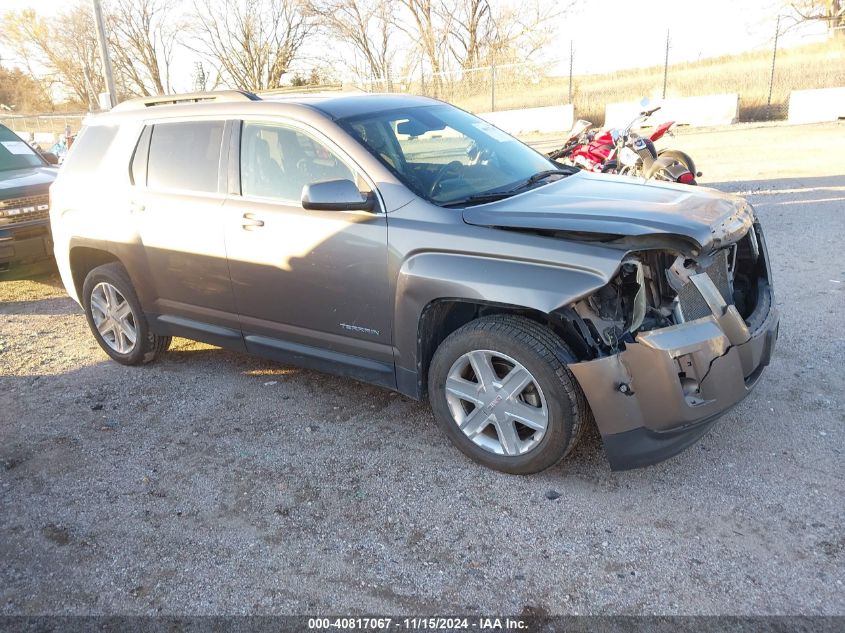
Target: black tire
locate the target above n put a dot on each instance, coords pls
(682, 157)
(545, 356)
(609, 167)
(148, 346)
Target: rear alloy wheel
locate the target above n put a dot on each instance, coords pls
(113, 318)
(116, 319)
(501, 391)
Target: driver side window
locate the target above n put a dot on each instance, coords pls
(278, 161)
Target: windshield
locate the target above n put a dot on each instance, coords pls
(446, 155)
(15, 153)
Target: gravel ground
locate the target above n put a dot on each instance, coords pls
(217, 483)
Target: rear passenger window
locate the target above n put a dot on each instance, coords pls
(88, 150)
(185, 155)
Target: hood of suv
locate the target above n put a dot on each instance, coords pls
(619, 207)
(18, 183)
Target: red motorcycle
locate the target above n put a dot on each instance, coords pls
(625, 152)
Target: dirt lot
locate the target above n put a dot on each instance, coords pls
(213, 482)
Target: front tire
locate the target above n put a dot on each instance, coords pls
(501, 391)
(116, 319)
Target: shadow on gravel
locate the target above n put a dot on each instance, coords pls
(41, 307)
(44, 271)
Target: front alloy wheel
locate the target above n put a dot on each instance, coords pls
(496, 402)
(501, 390)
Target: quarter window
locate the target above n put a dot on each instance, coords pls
(86, 153)
(278, 161)
(185, 155)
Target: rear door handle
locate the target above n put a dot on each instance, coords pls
(249, 222)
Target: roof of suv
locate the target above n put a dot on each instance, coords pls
(336, 105)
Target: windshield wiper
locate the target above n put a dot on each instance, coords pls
(492, 196)
(542, 175)
(479, 198)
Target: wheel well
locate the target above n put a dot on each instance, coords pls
(442, 317)
(83, 260)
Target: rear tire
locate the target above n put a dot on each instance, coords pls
(116, 319)
(519, 412)
(681, 157)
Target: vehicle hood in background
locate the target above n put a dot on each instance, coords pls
(621, 206)
(31, 181)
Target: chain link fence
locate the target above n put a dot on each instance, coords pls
(485, 89)
(762, 78)
(43, 128)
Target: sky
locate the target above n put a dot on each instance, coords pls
(608, 35)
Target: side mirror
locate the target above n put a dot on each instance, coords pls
(50, 157)
(335, 195)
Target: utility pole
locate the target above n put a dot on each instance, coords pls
(104, 51)
(666, 64)
(571, 57)
(772, 75)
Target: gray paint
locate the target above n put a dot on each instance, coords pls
(345, 290)
(619, 205)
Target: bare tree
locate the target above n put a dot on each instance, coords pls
(467, 34)
(19, 92)
(429, 27)
(142, 36)
(369, 27)
(252, 43)
(481, 35)
(473, 32)
(66, 46)
(831, 12)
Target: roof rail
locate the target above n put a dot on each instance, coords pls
(139, 103)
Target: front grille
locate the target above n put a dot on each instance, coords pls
(14, 203)
(718, 273)
(21, 203)
(693, 305)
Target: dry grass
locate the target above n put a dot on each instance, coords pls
(819, 65)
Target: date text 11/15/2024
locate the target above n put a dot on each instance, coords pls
(418, 624)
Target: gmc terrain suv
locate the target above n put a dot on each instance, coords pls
(406, 243)
(25, 178)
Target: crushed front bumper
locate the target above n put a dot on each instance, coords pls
(663, 392)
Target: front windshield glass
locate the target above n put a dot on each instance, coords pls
(15, 153)
(444, 154)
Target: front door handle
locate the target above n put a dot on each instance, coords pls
(249, 222)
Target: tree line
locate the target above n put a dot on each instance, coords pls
(264, 44)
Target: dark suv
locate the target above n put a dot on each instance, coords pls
(407, 243)
(25, 178)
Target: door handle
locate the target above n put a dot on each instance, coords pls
(249, 221)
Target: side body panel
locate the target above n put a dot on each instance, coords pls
(309, 286)
(429, 261)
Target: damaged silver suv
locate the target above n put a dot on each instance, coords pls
(406, 243)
